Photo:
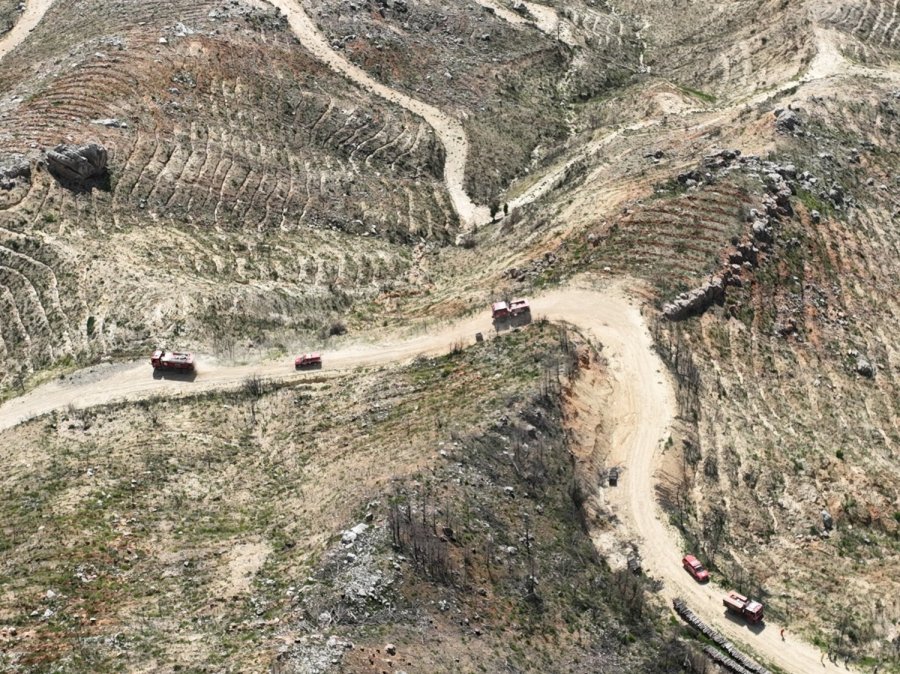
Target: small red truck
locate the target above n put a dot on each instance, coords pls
(519, 307)
(499, 310)
(693, 566)
(516, 309)
(308, 361)
(172, 360)
(736, 603)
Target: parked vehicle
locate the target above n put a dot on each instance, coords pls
(693, 566)
(751, 610)
(519, 307)
(613, 476)
(499, 310)
(512, 313)
(172, 360)
(308, 361)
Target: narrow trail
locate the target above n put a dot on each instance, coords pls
(31, 17)
(448, 129)
(545, 19)
(828, 63)
(642, 406)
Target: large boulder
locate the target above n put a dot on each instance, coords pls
(77, 164)
(696, 301)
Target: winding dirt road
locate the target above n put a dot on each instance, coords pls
(643, 398)
(643, 405)
(31, 17)
(448, 129)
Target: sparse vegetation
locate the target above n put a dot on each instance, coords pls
(260, 202)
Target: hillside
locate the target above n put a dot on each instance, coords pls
(209, 530)
(365, 178)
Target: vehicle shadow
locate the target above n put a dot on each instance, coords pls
(302, 368)
(510, 322)
(174, 375)
(756, 628)
(520, 320)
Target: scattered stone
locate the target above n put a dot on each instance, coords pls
(815, 216)
(836, 195)
(748, 253)
(181, 30)
(787, 121)
(761, 231)
(827, 522)
(789, 327)
(787, 171)
(11, 176)
(690, 178)
(721, 158)
(111, 122)
(390, 649)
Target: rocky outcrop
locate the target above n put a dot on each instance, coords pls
(77, 164)
(778, 199)
(11, 176)
(787, 121)
(696, 301)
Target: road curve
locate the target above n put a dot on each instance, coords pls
(31, 17)
(448, 129)
(641, 410)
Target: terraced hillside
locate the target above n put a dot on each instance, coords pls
(788, 392)
(248, 183)
(257, 202)
(790, 434)
(728, 50)
(507, 74)
(869, 31)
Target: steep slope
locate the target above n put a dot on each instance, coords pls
(261, 199)
(207, 532)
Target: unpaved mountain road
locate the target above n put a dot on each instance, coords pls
(31, 17)
(641, 411)
(448, 129)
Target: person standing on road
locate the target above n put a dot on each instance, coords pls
(782, 634)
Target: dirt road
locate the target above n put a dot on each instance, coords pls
(642, 409)
(34, 12)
